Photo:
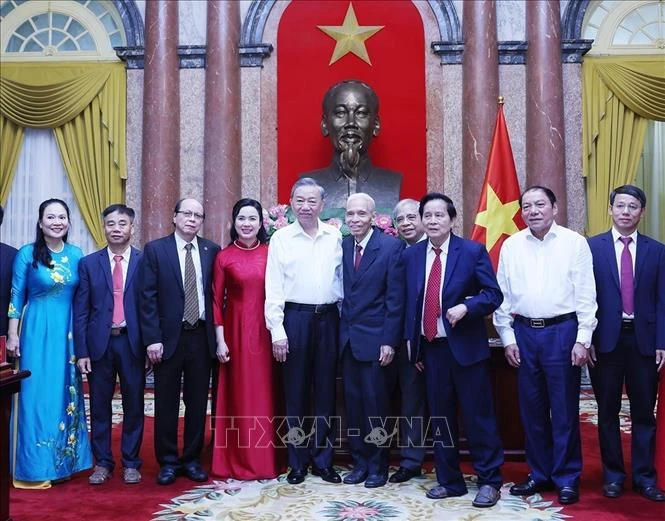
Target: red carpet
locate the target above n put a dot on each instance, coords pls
(114, 501)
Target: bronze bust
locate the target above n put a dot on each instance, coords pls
(351, 118)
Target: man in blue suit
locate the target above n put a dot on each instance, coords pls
(629, 342)
(177, 327)
(108, 344)
(370, 330)
(450, 289)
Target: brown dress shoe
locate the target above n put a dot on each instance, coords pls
(99, 476)
(131, 476)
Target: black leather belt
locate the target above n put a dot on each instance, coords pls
(193, 327)
(438, 341)
(117, 331)
(317, 309)
(627, 324)
(539, 323)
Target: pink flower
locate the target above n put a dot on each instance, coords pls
(383, 221)
(281, 222)
(335, 222)
(391, 231)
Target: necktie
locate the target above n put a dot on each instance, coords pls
(359, 256)
(627, 289)
(433, 298)
(118, 292)
(191, 315)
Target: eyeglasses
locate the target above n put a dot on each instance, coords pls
(632, 207)
(189, 214)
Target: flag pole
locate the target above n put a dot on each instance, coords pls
(500, 100)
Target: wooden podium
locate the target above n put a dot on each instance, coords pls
(10, 383)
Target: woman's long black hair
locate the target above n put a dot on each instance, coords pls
(40, 253)
(262, 236)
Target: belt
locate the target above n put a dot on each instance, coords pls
(437, 341)
(627, 324)
(317, 309)
(117, 331)
(186, 326)
(539, 323)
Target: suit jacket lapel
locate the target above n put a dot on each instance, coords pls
(451, 261)
(610, 256)
(369, 255)
(347, 256)
(131, 269)
(105, 266)
(421, 260)
(172, 255)
(204, 256)
(642, 255)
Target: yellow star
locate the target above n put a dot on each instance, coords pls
(350, 36)
(497, 219)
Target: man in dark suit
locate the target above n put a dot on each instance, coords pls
(370, 331)
(629, 341)
(177, 327)
(107, 341)
(351, 119)
(450, 288)
(7, 254)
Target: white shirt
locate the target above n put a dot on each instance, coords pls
(124, 264)
(196, 258)
(429, 260)
(544, 279)
(302, 269)
(618, 250)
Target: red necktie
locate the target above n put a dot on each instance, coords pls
(432, 310)
(118, 292)
(359, 256)
(627, 288)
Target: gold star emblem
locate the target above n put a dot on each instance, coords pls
(497, 218)
(350, 36)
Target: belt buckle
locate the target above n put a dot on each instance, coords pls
(537, 323)
(319, 308)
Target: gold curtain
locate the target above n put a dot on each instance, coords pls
(11, 138)
(85, 104)
(620, 96)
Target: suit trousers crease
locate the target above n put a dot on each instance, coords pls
(367, 397)
(452, 387)
(117, 361)
(639, 372)
(309, 374)
(192, 361)
(549, 393)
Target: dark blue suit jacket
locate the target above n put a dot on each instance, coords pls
(373, 305)
(163, 295)
(93, 305)
(7, 254)
(469, 279)
(649, 294)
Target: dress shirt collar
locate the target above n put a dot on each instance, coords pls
(363, 243)
(444, 246)
(321, 229)
(616, 235)
(180, 242)
(125, 254)
(551, 233)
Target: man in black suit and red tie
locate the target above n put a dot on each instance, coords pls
(107, 341)
(178, 329)
(629, 341)
(7, 254)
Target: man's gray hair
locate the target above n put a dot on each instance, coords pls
(307, 181)
(365, 197)
(405, 202)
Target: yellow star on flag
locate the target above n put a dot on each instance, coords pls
(497, 218)
(350, 36)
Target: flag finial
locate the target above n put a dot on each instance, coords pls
(500, 100)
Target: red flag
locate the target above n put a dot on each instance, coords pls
(498, 215)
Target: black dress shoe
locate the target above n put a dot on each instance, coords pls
(355, 476)
(569, 495)
(195, 473)
(328, 475)
(403, 474)
(296, 476)
(651, 492)
(376, 480)
(530, 487)
(612, 489)
(167, 475)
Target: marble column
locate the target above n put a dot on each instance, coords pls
(161, 120)
(480, 80)
(222, 152)
(545, 150)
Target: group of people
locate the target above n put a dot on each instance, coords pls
(384, 312)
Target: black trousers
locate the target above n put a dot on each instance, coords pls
(191, 361)
(310, 370)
